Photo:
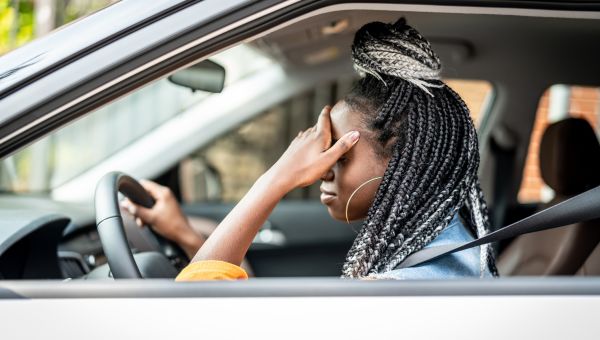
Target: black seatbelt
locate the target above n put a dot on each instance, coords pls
(583, 207)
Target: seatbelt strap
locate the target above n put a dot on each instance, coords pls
(583, 207)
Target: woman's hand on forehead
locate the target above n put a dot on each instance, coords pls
(311, 154)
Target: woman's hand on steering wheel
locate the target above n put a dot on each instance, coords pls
(165, 217)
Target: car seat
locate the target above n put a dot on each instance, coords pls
(570, 165)
(591, 267)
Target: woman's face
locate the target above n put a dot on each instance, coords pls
(356, 167)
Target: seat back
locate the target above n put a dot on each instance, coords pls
(570, 165)
(591, 266)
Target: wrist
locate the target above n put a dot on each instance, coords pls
(281, 183)
(182, 232)
(190, 242)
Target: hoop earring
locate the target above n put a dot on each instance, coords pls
(354, 192)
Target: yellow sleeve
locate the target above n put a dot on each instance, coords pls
(211, 270)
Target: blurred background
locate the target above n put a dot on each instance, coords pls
(24, 20)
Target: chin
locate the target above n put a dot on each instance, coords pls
(335, 214)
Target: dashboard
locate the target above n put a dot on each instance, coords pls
(44, 239)
(28, 244)
(80, 252)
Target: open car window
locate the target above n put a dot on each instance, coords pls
(81, 145)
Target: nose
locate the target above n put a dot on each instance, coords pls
(328, 176)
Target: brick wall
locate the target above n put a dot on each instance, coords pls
(474, 93)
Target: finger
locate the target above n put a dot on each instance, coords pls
(304, 133)
(154, 189)
(139, 222)
(141, 213)
(128, 206)
(145, 214)
(342, 146)
(324, 120)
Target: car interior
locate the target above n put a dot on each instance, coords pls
(209, 130)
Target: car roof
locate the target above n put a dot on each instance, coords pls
(482, 46)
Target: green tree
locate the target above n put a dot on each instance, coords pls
(19, 24)
(16, 23)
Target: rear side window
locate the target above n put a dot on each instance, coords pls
(557, 103)
(477, 94)
(225, 169)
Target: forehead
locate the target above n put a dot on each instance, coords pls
(343, 119)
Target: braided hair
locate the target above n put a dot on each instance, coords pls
(425, 129)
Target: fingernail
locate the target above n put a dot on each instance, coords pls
(354, 136)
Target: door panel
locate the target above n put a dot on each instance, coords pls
(302, 309)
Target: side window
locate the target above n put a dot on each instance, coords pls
(82, 145)
(557, 103)
(225, 169)
(477, 94)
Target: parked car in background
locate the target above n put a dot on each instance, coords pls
(203, 96)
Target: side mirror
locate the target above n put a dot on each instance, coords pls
(204, 76)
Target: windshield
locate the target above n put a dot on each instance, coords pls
(68, 152)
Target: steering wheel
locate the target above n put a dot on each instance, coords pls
(112, 233)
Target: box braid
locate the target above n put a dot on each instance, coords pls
(425, 128)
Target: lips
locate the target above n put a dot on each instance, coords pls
(327, 196)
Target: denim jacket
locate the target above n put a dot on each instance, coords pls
(461, 264)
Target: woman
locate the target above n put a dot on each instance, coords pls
(399, 152)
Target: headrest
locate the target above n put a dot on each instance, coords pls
(570, 156)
